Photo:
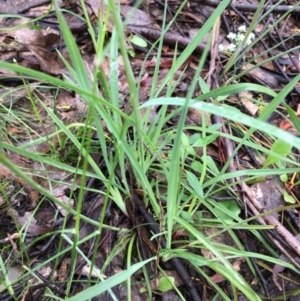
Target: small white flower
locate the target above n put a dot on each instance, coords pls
(248, 42)
(221, 47)
(232, 47)
(231, 36)
(242, 28)
(250, 38)
(240, 38)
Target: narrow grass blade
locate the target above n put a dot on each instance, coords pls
(109, 283)
(231, 114)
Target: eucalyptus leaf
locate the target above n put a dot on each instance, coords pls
(166, 283)
(281, 148)
(136, 40)
(288, 198)
(232, 207)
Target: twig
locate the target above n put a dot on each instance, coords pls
(8, 239)
(247, 246)
(175, 261)
(11, 9)
(169, 38)
(214, 53)
(271, 220)
(253, 7)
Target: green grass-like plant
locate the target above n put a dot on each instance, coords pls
(152, 150)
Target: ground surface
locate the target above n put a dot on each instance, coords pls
(25, 119)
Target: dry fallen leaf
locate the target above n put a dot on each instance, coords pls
(246, 97)
(279, 268)
(49, 62)
(269, 195)
(32, 226)
(261, 75)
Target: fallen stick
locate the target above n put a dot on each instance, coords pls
(253, 7)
